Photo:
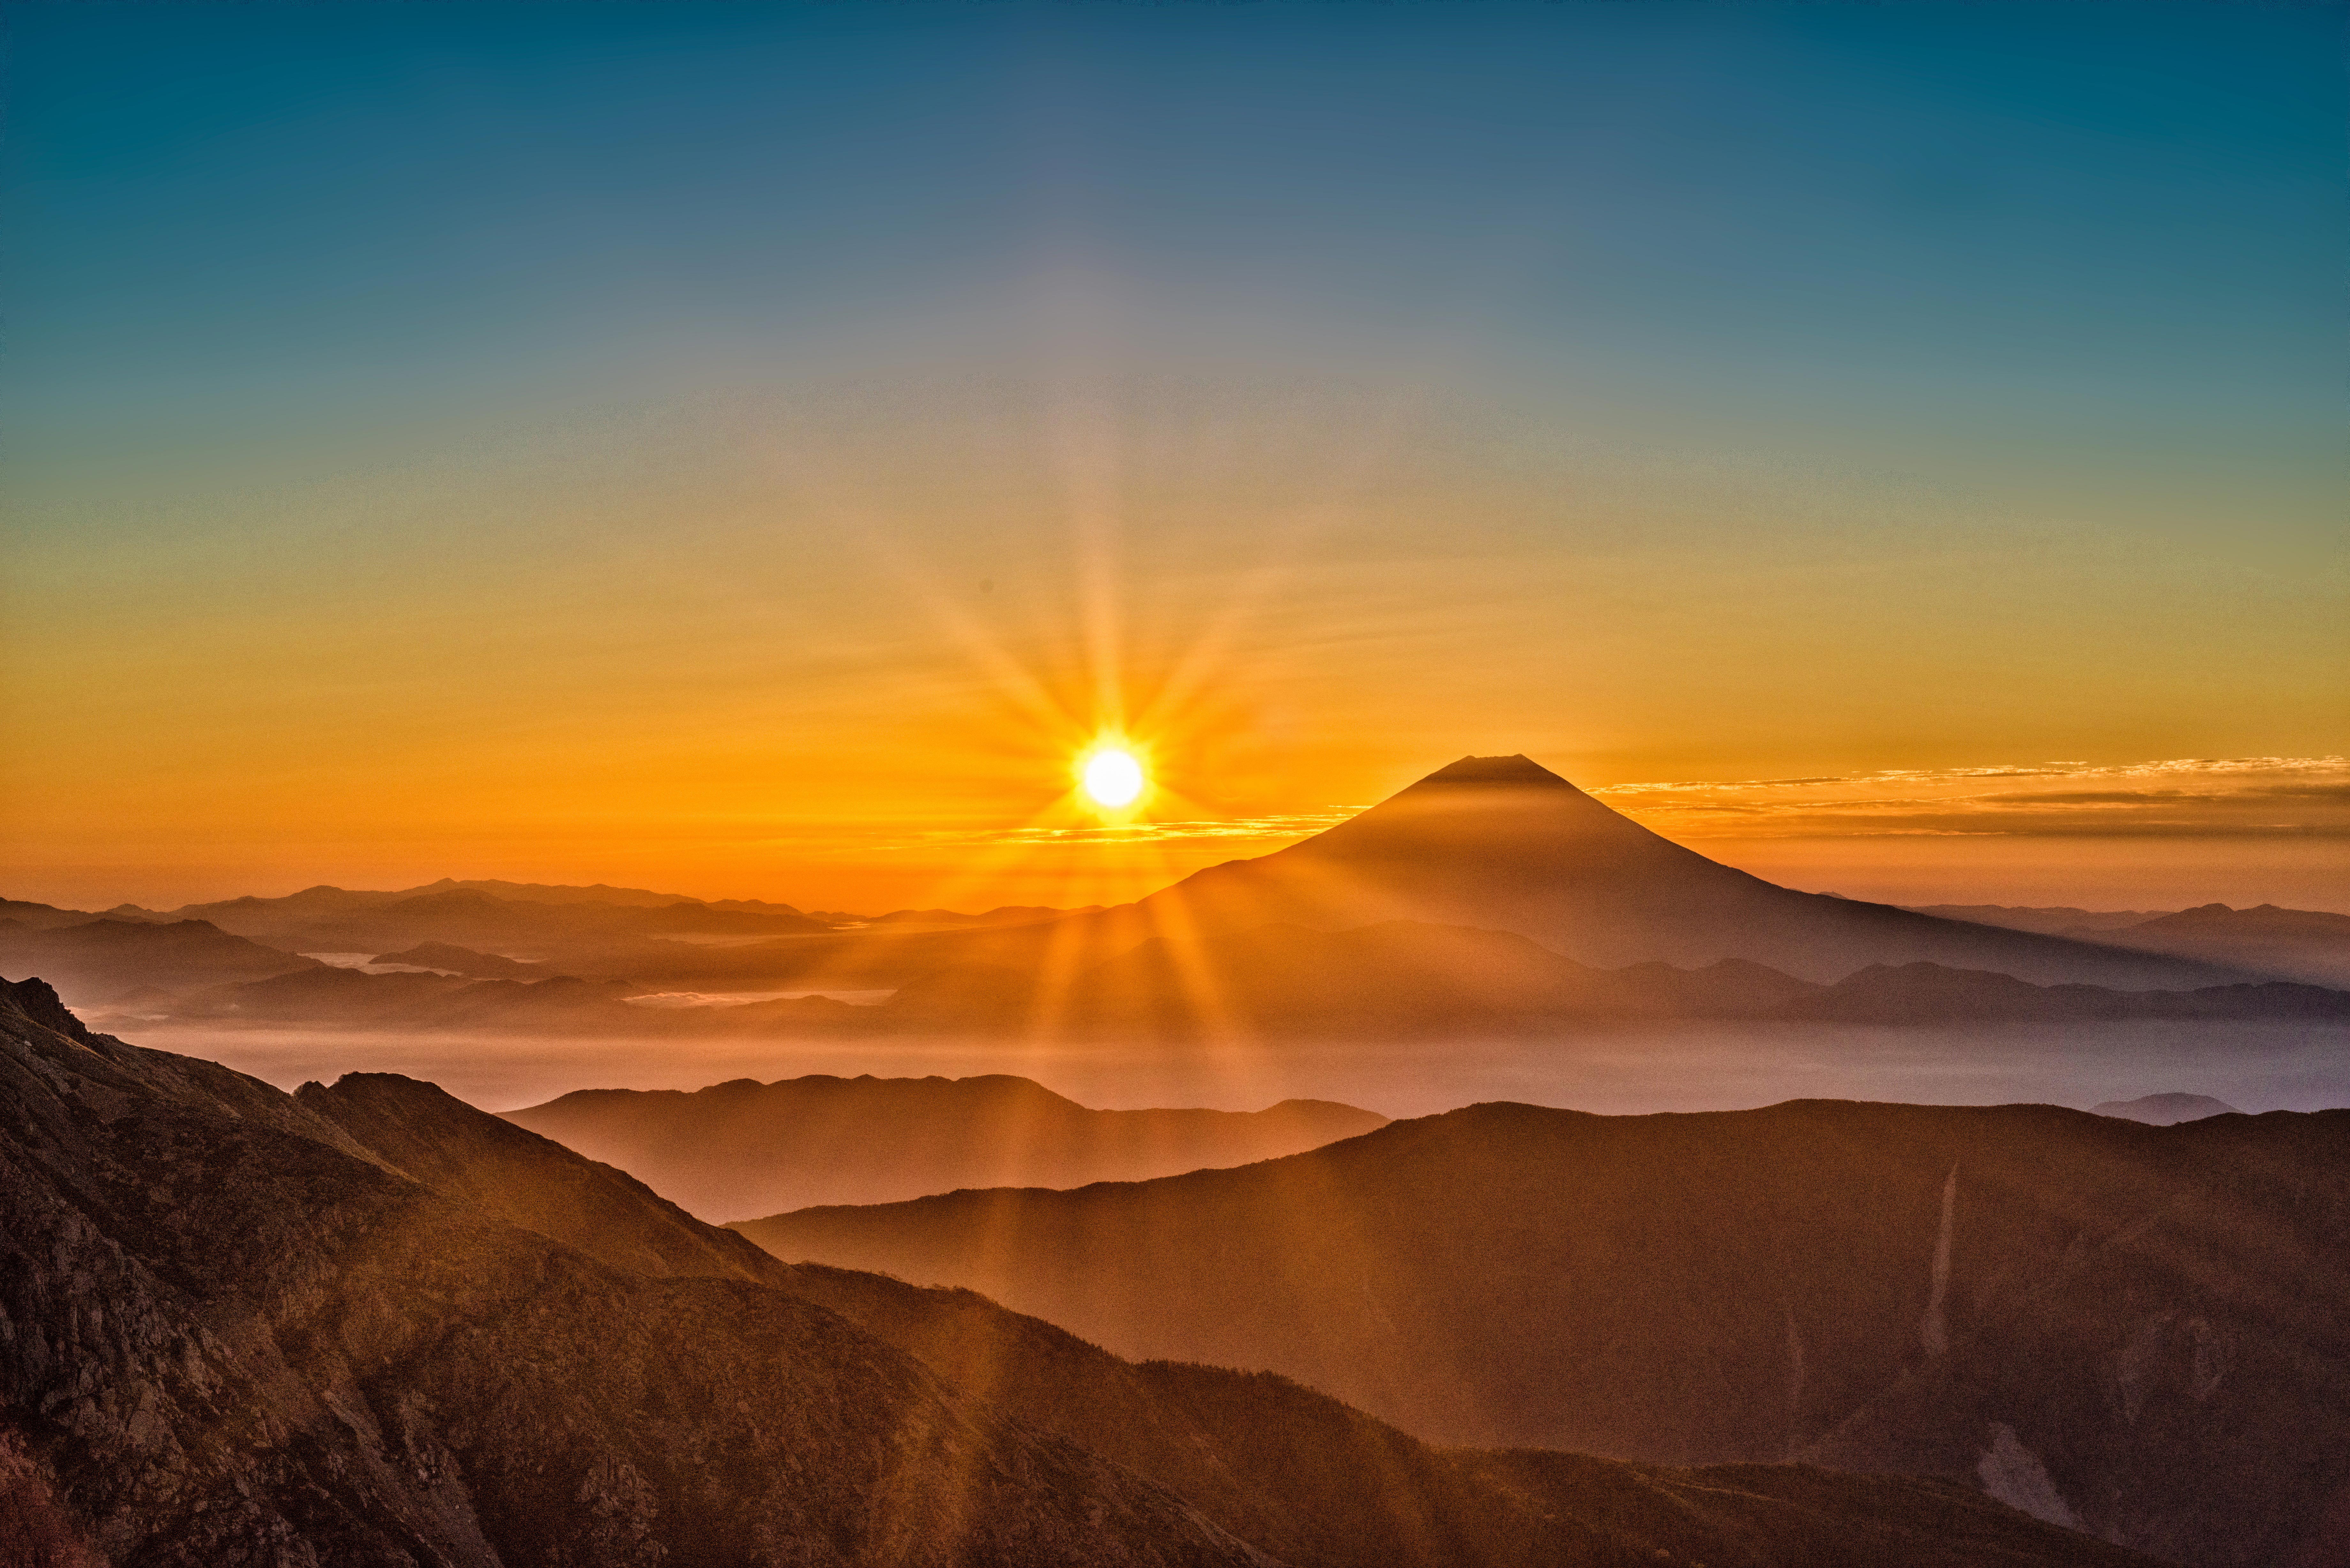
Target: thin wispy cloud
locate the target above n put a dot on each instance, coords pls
(2178, 796)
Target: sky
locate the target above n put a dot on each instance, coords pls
(752, 449)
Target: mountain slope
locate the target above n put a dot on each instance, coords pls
(1293, 1472)
(2310, 945)
(1504, 843)
(2141, 1311)
(238, 1334)
(744, 1147)
(236, 1338)
(103, 960)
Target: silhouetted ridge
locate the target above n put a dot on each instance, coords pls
(743, 1148)
(2139, 1328)
(236, 1334)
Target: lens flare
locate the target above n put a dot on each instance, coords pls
(1113, 777)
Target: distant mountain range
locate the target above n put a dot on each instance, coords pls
(108, 961)
(2106, 1323)
(1399, 981)
(2165, 1110)
(746, 1147)
(368, 1325)
(1491, 894)
(2291, 944)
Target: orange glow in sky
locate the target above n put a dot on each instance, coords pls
(740, 522)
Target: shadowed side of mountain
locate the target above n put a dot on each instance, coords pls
(2058, 921)
(1957, 1291)
(1926, 993)
(1410, 979)
(2308, 945)
(2311, 945)
(41, 916)
(102, 959)
(745, 1147)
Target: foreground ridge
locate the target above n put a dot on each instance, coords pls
(369, 1324)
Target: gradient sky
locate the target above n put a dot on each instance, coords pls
(747, 449)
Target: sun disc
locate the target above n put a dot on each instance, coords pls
(1113, 778)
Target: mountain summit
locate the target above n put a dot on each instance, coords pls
(1504, 843)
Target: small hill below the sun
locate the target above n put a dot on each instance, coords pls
(2165, 1110)
(745, 1147)
(2095, 1319)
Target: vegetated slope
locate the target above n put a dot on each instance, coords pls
(103, 961)
(2139, 1328)
(1293, 1472)
(236, 1338)
(744, 1147)
(1504, 843)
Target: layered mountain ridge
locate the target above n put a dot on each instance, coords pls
(2114, 1323)
(1490, 896)
(367, 1324)
(743, 1148)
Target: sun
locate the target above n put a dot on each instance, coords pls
(1112, 776)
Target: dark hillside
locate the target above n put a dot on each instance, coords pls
(2105, 1321)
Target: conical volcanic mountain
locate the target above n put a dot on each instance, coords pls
(1504, 843)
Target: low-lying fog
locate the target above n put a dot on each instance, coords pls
(1624, 1070)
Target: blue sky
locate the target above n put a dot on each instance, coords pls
(2101, 215)
(1676, 390)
